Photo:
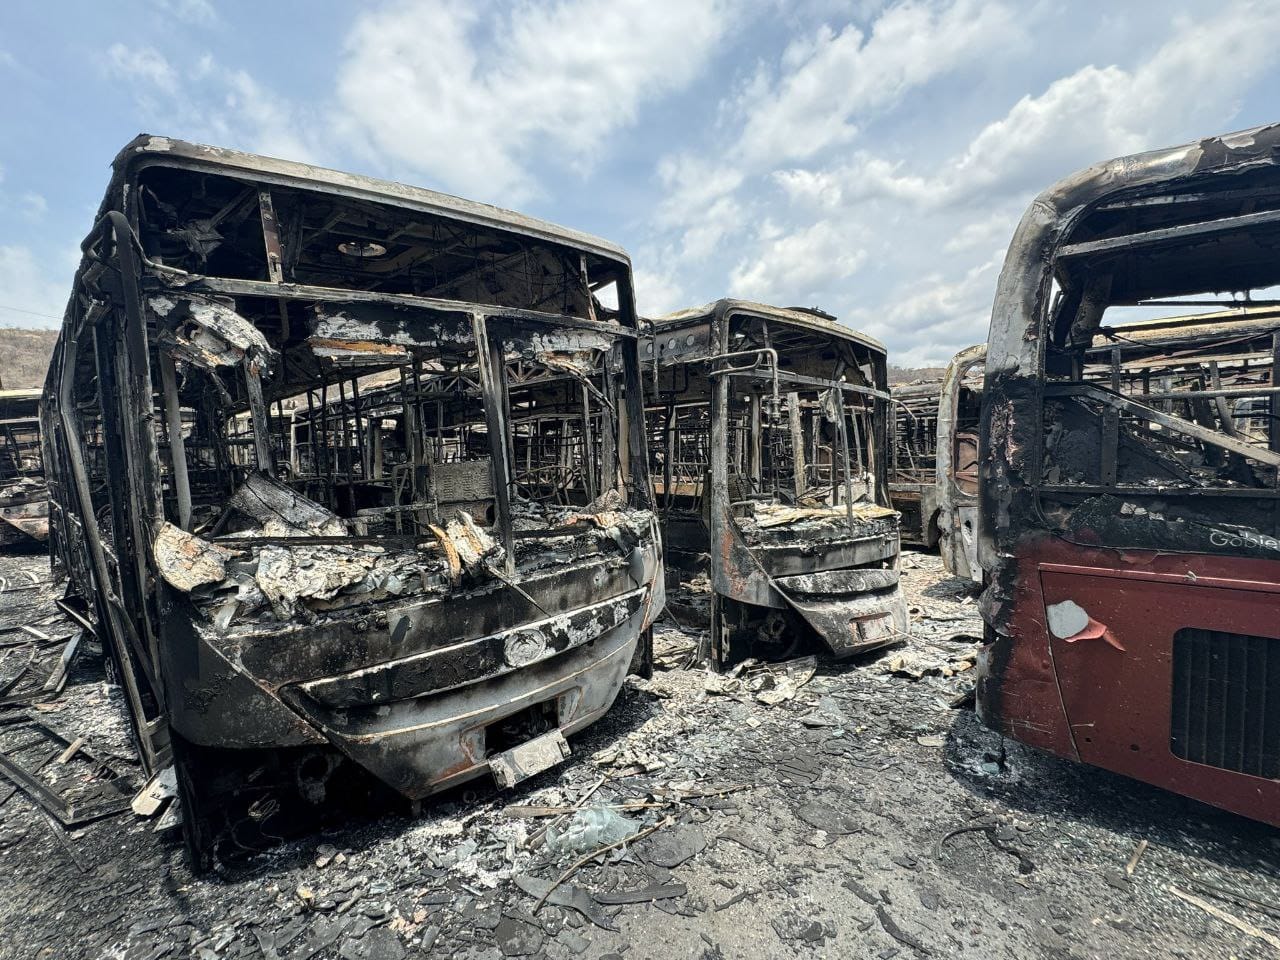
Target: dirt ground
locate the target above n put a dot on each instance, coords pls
(792, 818)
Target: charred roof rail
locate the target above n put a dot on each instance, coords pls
(1169, 234)
(800, 380)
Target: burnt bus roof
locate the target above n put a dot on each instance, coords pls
(17, 405)
(1024, 287)
(149, 150)
(790, 316)
(20, 396)
(1238, 319)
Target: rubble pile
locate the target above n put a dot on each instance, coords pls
(815, 520)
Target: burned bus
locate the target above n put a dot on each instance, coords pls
(933, 457)
(441, 581)
(956, 469)
(913, 460)
(1128, 473)
(24, 496)
(767, 438)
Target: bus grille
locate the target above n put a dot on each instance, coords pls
(1226, 701)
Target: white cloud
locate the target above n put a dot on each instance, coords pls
(270, 122)
(1097, 113)
(866, 177)
(29, 296)
(437, 89)
(941, 316)
(33, 206)
(198, 12)
(207, 102)
(832, 81)
(991, 231)
(657, 292)
(699, 196)
(1090, 115)
(907, 247)
(691, 184)
(798, 266)
(719, 222)
(822, 91)
(142, 65)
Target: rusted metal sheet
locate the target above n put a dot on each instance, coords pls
(30, 520)
(846, 607)
(188, 562)
(529, 759)
(1128, 480)
(767, 433)
(363, 447)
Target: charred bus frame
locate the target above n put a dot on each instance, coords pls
(913, 460)
(956, 479)
(24, 496)
(272, 624)
(767, 439)
(1130, 516)
(933, 470)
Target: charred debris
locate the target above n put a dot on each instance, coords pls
(1130, 473)
(767, 440)
(346, 475)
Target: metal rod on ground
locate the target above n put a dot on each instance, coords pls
(1225, 893)
(63, 842)
(1242, 925)
(582, 861)
(1138, 851)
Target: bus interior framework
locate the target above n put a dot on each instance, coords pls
(300, 570)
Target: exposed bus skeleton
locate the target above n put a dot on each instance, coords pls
(1129, 473)
(767, 436)
(24, 496)
(343, 472)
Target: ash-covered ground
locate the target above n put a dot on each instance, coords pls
(792, 818)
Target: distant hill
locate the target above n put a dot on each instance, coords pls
(24, 356)
(912, 374)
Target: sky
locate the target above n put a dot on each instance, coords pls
(870, 158)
